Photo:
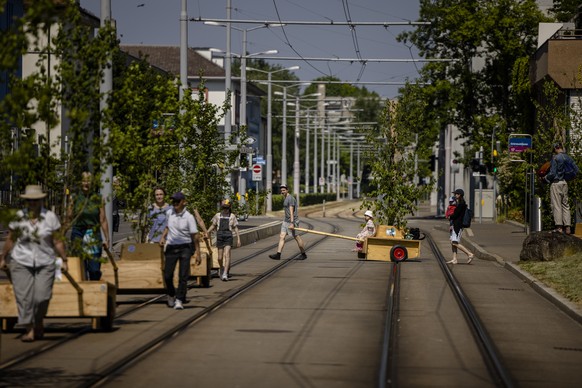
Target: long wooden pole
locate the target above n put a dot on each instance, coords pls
(327, 234)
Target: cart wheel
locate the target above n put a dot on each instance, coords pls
(106, 323)
(205, 281)
(361, 255)
(398, 253)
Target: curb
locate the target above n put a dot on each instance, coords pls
(252, 235)
(547, 292)
(571, 309)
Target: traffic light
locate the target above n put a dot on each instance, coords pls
(432, 162)
(475, 165)
(494, 162)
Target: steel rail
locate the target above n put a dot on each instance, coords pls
(103, 376)
(489, 352)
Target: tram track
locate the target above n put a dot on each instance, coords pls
(45, 349)
(491, 356)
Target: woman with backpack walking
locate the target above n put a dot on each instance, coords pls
(456, 227)
(226, 224)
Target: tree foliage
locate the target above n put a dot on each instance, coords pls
(68, 71)
(483, 40)
(392, 164)
(565, 10)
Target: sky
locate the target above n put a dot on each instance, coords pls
(156, 22)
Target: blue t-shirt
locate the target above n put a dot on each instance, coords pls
(158, 221)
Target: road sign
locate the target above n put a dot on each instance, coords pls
(257, 172)
(246, 150)
(519, 143)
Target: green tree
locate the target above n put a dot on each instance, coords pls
(392, 165)
(557, 122)
(483, 40)
(565, 10)
(68, 73)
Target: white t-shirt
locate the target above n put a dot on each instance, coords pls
(34, 245)
(181, 226)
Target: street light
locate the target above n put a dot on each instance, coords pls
(244, 56)
(296, 166)
(284, 130)
(269, 184)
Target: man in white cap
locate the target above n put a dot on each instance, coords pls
(289, 224)
(182, 242)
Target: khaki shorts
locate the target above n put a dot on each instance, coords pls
(285, 228)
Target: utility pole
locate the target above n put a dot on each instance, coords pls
(105, 89)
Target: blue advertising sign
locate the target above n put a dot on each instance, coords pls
(519, 144)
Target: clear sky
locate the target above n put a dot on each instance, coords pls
(156, 22)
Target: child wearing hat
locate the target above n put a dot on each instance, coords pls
(368, 230)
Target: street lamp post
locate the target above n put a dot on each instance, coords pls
(296, 152)
(269, 179)
(284, 130)
(296, 165)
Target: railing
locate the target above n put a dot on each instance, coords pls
(567, 34)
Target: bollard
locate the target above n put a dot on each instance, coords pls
(324, 208)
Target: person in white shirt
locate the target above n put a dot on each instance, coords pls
(182, 242)
(32, 242)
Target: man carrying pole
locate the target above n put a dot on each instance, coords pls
(289, 223)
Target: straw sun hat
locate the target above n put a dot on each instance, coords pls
(33, 192)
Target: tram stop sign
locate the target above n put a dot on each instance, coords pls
(257, 172)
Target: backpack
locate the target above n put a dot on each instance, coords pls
(467, 217)
(570, 169)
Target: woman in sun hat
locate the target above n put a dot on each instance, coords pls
(368, 231)
(32, 243)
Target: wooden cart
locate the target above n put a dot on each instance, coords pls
(388, 244)
(73, 297)
(140, 268)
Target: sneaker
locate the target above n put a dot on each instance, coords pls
(303, 256)
(224, 277)
(178, 305)
(171, 301)
(275, 256)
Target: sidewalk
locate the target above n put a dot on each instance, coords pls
(503, 243)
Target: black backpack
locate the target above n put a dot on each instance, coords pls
(467, 217)
(570, 169)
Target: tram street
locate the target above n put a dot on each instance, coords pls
(535, 341)
(332, 320)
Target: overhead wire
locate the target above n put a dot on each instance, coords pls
(347, 13)
(289, 43)
(408, 46)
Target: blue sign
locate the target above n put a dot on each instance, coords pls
(259, 159)
(519, 144)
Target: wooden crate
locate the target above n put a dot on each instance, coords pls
(389, 231)
(213, 253)
(378, 249)
(66, 301)
(140, 267)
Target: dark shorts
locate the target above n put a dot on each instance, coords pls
(224, 239)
